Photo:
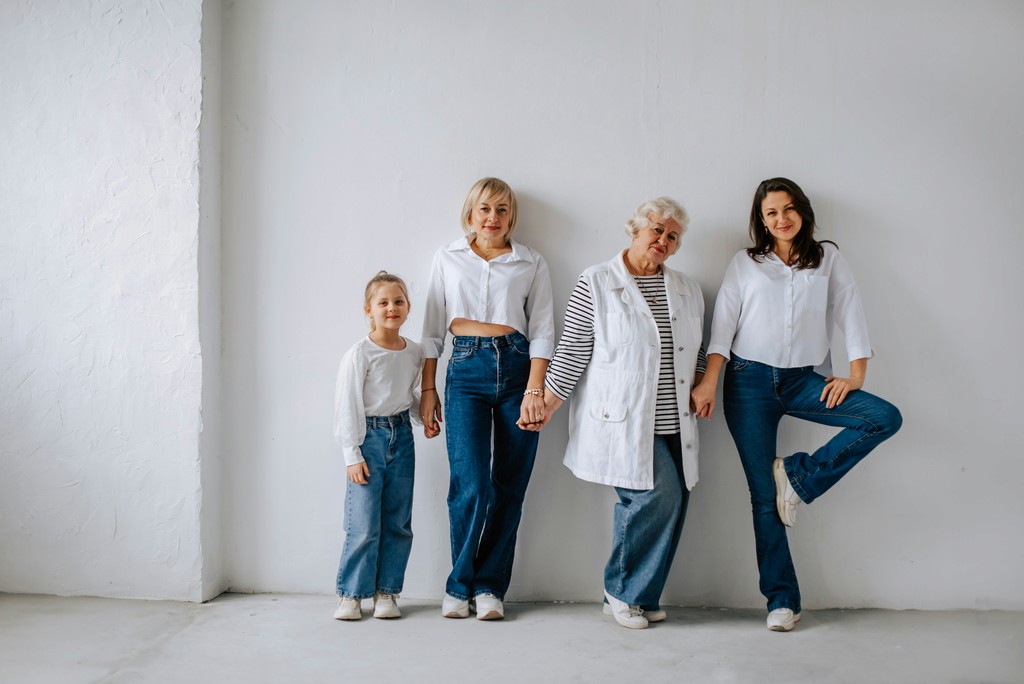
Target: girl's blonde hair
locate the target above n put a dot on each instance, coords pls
(382, 278)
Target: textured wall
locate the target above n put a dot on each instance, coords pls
(100, 367)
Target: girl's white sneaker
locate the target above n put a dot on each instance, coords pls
(452, 607)
(782, 620)
(348, 609)
(385, 607)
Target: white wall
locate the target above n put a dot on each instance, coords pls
(353, 130)
(100, 367)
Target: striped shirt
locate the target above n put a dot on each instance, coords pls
(577, 346)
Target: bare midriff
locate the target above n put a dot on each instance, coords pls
(463, 327)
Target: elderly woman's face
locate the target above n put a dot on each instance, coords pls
(490, 218)
(659, 240)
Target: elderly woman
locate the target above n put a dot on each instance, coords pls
(630, 354)
(494, 296)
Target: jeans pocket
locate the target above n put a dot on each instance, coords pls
(737, 364)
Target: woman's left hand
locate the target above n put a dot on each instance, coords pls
(532, 409)
(836, 389)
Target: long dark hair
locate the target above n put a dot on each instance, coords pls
(808, 250)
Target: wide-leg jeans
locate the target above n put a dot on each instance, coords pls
(378, 514)
(647, 526)
(756, 397)
(490, 457)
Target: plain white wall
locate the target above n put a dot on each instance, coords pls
(100, 368)
(353, 130)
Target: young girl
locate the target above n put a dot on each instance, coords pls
(374, 402)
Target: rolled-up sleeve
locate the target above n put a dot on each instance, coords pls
(434, 314)
(727, 314)
(846, 311)
(349, 416)
(540, 313)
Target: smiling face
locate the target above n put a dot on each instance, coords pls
(388, 307)
(658, 241)
(490, 218)
(780, 216)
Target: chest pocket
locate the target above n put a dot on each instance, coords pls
(618, 328)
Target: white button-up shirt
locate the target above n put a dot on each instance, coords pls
(373, 381)
(784, 317)
(513, 289)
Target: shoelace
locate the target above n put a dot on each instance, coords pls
(386, 597)
(635, 611)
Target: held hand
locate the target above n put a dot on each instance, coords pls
(550, 404)
(358, 473)
(531, 411)
(430, 414)
(702, 399)
(837, 389)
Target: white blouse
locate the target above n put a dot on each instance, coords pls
(513, 289)
(783, 317)
(373, 381)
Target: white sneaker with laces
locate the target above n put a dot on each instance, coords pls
(452, 607)
(489, 607)
(782, 620)
(348, 609)
(385, 607)
(651, 615)
(786, 499)
(625, 614)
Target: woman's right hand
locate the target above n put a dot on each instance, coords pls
(702, 397)
(430, 414)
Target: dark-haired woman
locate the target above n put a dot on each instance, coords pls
(778, 303)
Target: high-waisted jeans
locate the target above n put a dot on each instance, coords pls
(378, 514)
(483, 395)
(756, 397)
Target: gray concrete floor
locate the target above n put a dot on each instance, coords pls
(292, 638)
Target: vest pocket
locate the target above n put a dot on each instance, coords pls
(618, 329)
(608, 413)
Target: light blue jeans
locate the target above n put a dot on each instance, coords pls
(490, 458)
(647, 526)
(756, 397)
(378, 514)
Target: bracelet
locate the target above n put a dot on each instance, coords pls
(429, 389)
(535, 392)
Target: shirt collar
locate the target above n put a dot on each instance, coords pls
(519, 252)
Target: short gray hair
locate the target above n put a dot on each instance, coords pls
(665, 207)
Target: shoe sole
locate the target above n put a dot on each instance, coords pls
(787, 627)
(456, 614)
(493, 615)
(781, 480)
(387, 616)
(349, 618)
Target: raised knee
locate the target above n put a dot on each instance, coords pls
(893, 421)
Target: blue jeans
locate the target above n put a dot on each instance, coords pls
(648, 524)
(378, 514)
(756, 398)
(483, 394)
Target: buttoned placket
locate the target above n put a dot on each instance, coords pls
(788, 315)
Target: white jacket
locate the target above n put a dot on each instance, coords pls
(611, 411)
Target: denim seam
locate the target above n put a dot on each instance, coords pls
(796, 482)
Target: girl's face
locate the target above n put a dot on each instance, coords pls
(490, 218)
(780, 216)
(388, 307)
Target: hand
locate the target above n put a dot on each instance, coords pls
(430, 414)
(837, 389)
(358, 473)
(551, 404)
(531, 411)
(702, 398)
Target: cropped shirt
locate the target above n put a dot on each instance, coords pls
(513, 289)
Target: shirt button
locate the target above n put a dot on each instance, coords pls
(689, 446)
(686, 414)
(681, 348)
(682, 382)
(606, 415)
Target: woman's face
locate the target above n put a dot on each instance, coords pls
(780, 216)
(490, 217)
(659, 240)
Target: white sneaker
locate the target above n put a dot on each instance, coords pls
(489, 607)
(782, 620)
(651, 615)
(452, 607)
(385, 607)
(786, 499)
(625, 614)
(348, 609)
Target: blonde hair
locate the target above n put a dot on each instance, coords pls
(665, 207)
(486, 189)
(382, 278)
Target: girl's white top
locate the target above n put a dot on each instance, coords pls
(373, 381)
(513, 289)
(784, 317)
